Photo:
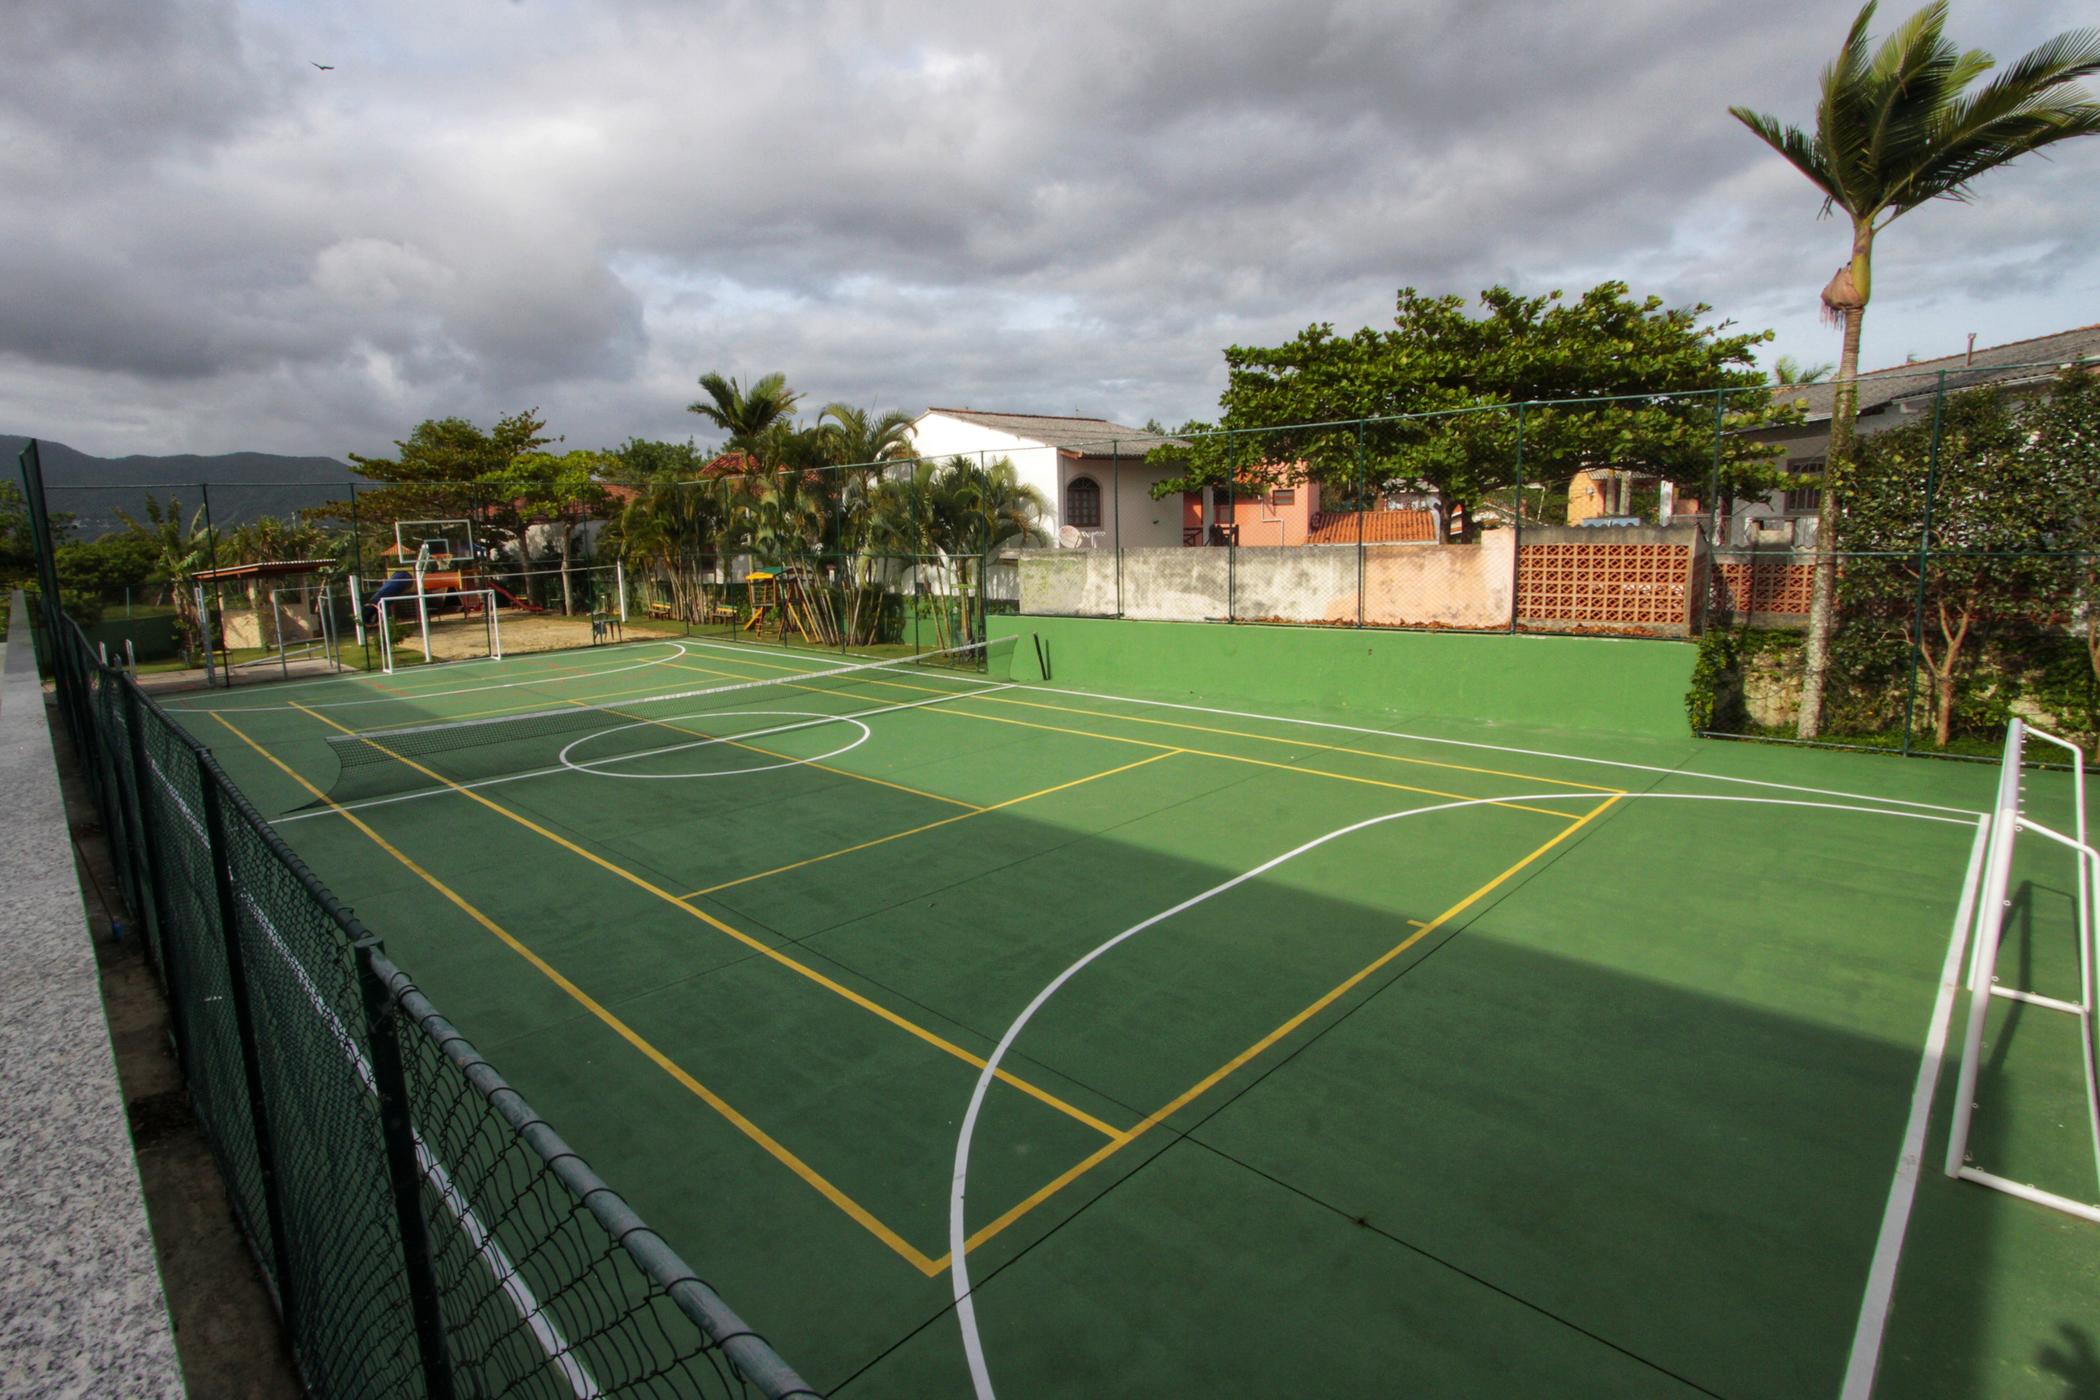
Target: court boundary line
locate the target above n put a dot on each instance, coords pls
(1469, 744)
(962, 1244)
(1867, 1336)
(679, 648)
(929, 826)
(994, 693)
(504, 1270)
(757, 945)
(1409, 759)
(448, 787)
(772, 1146)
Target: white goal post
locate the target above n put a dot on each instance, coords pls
(416, 623)
(2009, 823)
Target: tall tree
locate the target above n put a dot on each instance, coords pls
(561, 493)
(178, 548)
(1896, 127)
(745, 414)
(447, 469)
(1650, 370)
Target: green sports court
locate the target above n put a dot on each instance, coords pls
(1263, 1010)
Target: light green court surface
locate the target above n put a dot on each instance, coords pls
(1594, 1088)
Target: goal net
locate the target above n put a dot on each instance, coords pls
(453, 626)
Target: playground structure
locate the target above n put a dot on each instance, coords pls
(442, 582)
(794, 601)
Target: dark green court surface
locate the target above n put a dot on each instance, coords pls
(1474, 1059)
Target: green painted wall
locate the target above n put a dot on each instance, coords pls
(1617, 685)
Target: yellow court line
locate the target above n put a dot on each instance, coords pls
(1183, 748)
(860, 1214)
(606, 703)
(1211, 1080)
(1243, 758)
(944, 821)
(902, 1023)
(1248, 734)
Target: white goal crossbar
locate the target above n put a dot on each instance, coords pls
(2008, 823)
(418, 625)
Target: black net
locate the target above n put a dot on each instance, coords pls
(423, 1232)
(700, 725)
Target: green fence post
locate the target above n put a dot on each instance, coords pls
(403, 1175)
(209, 784)
(153, 876)
(1362, 515)
(1714, 539)
(1516, 523)
(1115, 491)
(1917, 635)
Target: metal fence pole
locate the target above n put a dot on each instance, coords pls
(155, 880)
(1714, 528)
(1917, 636)
(1363, 511)
(209, 784)
(1115, 491)
(1516, 521)
(218, 603)
(403, 1174)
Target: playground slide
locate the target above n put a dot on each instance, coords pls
(511, 598)
(397, 583)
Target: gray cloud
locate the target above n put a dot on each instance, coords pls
(212, 245)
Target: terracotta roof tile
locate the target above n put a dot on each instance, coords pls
(1378, 527)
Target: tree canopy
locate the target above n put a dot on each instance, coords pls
(1650, 360)
(2009, 488)
(450, 469)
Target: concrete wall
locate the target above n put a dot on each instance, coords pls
(80, 1286)
(1605, 684)
(1402, 585)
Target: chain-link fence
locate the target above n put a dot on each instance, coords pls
(1956, 548)
(421, 1230)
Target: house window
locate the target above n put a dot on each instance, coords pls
(1083, 503)
(1283, 497)
(1804, 500)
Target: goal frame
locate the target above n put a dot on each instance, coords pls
(2008, 823)
(421, 625)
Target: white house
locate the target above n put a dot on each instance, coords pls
(1092, 472)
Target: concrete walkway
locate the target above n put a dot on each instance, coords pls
(81, 1308)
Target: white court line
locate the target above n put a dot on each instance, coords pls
(345, 808)
(958, 1234)
(677, 650)
(1467, 744)
(1895, 1220)
(505, 1271)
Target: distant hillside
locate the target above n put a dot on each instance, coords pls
(243, 485)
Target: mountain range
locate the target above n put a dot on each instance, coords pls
(237, 486)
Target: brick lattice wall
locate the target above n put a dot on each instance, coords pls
(1629, 587)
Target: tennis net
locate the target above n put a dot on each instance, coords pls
(705, 727)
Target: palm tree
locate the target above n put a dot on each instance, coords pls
(745, 414)
(855, 437)
(1790, 371)
(179, 550)
(1896, 128)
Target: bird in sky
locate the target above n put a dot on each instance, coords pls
(324, 67)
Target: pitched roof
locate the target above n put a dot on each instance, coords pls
(2019, 361)
(1079, 437)
(1376, 527)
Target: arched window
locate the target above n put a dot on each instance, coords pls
(1083, 503)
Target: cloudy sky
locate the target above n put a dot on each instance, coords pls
(207, 244)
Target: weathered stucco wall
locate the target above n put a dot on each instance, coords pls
(1458, 586)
